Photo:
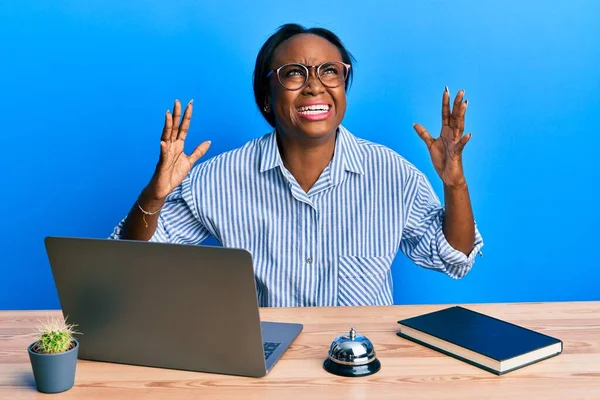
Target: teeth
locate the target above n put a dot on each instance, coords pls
(315, 109)
(312, 112)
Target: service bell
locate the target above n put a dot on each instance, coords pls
(352, 355)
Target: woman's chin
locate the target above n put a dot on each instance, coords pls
(318, 129)
(310, 130)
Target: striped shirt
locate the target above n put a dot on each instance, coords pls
(332, 246)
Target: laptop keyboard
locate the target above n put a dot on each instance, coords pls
(269, 348)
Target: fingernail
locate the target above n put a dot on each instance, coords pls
(191, 101)
(467, 101)
(209, 142)
(167, 111)
(464, 91)
(447, 91)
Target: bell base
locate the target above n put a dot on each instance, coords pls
(352, 371)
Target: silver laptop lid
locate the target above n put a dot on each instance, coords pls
(163, 305)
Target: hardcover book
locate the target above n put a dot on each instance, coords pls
(489, 343)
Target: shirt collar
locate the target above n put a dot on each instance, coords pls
(269, 153)
(352, 155)
(347, 156)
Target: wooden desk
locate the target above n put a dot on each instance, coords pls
(409, 371)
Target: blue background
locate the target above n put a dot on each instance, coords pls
(84, 87)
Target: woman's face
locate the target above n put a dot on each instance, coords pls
(291, 117)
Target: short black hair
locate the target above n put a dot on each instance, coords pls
(265, 57)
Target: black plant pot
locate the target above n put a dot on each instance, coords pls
(54, 373)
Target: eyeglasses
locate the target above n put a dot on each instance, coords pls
(294, 76)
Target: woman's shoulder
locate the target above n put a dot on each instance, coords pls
(233, 158)
(384, 157)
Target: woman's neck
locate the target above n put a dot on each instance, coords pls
(306, 158)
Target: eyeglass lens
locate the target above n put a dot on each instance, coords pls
(331, 74)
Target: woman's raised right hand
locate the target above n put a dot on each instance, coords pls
(173, 164)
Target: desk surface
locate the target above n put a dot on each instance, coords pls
(408, 370)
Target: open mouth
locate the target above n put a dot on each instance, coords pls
(314, 111)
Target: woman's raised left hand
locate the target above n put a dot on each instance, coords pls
(446, 150)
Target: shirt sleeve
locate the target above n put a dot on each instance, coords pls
(423, 239)
(178, 221)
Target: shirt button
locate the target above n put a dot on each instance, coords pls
(309, 260)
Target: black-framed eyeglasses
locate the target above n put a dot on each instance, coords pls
(294, 76)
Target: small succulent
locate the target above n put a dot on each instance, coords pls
(54, 335)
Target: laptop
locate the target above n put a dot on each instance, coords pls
(166, 305)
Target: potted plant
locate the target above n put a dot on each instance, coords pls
(53, 356)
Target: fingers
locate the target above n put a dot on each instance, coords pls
(460, 127)
(176, 117)
(462, 143)
(199, 151)
(456, 109)
(185, 124)
(446, 107)
(423, 134)
(166, 133)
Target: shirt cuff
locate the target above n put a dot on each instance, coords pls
(117, 232)
(456, 263)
